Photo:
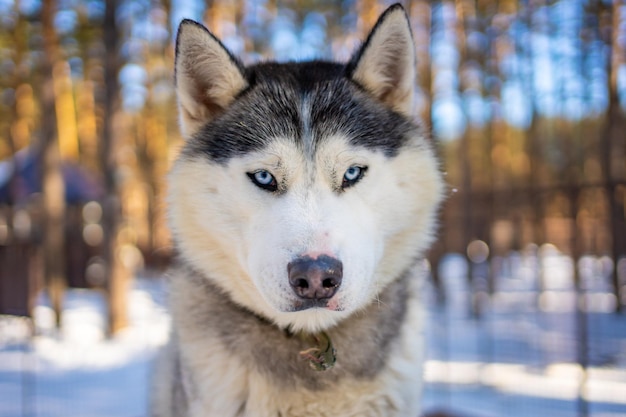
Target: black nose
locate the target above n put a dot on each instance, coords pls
(315, 279)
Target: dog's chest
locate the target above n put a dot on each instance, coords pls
(239, 364)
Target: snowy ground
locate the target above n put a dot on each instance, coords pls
(523, 356)
(80, 372)
(520, 359)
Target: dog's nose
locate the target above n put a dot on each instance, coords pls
(315, 279)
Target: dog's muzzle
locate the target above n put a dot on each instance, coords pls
(315, 281)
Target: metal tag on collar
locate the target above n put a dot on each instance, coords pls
(322, 357)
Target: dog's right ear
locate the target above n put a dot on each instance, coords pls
(385, 63)
(207, 76)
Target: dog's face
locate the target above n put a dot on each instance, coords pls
(303, 189)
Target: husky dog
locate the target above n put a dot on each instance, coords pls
(303, 198)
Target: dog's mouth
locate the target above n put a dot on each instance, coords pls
(327, 304)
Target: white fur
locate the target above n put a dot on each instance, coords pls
(243, 237)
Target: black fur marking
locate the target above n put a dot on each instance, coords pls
(341, 107)
(270, 108)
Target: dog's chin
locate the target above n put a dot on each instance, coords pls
(309, 320)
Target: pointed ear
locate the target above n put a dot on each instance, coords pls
(385, 63)
(208, 77)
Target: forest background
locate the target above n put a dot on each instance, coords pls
(526, 101)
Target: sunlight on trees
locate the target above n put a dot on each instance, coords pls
(526, 102)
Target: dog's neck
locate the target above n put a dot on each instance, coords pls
(277, 352)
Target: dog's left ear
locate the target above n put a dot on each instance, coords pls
(385, 63)
(208, 77)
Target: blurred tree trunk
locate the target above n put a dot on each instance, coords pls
(532, 142)
(420, 15)
(52, 179)
(612, 148)
(15, 132)
(116, 275)
(468, 180)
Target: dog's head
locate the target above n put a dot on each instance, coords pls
(303, 189)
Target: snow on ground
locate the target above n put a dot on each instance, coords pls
(522, 356)
(520, 359)
(79, 372)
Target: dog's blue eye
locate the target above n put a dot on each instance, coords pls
(263, 179)
(352, 175)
